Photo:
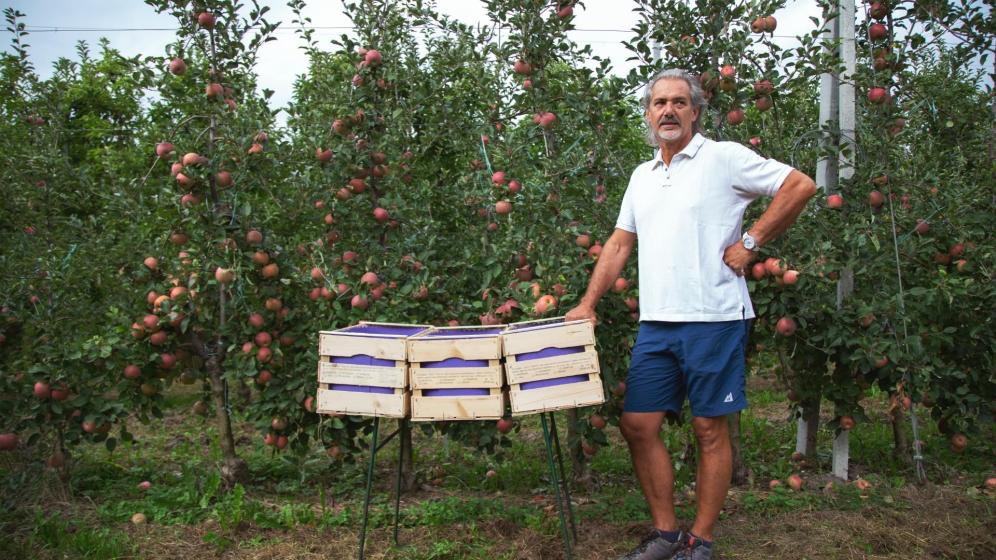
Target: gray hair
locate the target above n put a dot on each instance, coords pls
(698, 97)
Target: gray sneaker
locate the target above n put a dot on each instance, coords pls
(656, 547)
(694, 550)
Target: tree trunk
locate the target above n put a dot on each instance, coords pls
(896, 417)
(741, 473)
(408, 478)
(580, 465)
(233, 469)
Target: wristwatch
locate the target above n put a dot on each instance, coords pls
(750, 243)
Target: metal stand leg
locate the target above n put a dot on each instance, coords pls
(366, 498)
(555, 480)
(563, 478)
(403, 427)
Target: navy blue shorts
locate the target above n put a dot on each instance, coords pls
(701, 361)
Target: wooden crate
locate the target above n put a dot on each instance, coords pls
(361, 400)
(458, 404)
(456, 373)
(551, 365)
(363, 370)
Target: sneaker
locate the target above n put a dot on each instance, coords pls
(694, 550)
(656, 547)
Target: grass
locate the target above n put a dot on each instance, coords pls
(302, 504)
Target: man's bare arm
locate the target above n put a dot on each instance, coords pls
(611, 261)
(784, 209)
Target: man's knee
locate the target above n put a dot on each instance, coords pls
(711, 432)
(639, 427)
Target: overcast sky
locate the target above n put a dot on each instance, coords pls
(133, 28)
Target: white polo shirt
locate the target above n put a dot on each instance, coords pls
(685, 216)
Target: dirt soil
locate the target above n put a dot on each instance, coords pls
(943, 524)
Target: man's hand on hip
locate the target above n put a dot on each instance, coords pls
(738, 258)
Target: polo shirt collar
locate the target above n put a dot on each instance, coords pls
(689, 151)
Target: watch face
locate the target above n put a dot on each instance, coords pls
(748, 242)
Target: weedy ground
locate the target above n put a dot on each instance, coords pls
(309, 507)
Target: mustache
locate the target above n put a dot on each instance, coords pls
(667, 121)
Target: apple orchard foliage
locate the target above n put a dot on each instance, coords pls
(429, 174)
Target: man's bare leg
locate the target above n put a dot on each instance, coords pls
(713, 474)
(652, 464)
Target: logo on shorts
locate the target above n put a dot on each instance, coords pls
(729, 398)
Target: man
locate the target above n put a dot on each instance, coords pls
(687, 206)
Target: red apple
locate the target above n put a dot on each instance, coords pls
(785, 326)
(770, 24)
(763, 87)
(358, 302)
(728, 71)
(381, 215)
(795, 482)
(959, 442)
(522, 67)
(8, 441)
(256, 320)
(206, 20)
(131, 371)
(504, 425)
(503, 207)
(790, 277)
(835, 201)
(42, 390)
(498, 178)
(164, 149)
(878, 95)
(755, 141)
(763, 103)
(758, 271)
(224, 275)
(922, 227)
(735, 116)
(214, 90)
(177, 66)
(876, 199)
(620, 285)
(773, 266)
(547, 120)
(847, 422)
(373, 57)
(877, 32)
(597, 421)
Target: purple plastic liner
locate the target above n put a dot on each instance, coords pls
(461, 392)
(361, 389)
(455, 362)
(465, 332)
(386, 330)
(362, 360)
(548, 353)
(553, 382)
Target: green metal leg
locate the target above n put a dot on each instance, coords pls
(555, 480)
(403, 428)
(563, 478)
(366, 498)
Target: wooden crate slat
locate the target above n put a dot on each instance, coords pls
(332, 344)
(464, 407)
(437, 349)
(558, 397)
(396, 405)
(441, 378)
(354, 374)
(565, 335)
(554, 366)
